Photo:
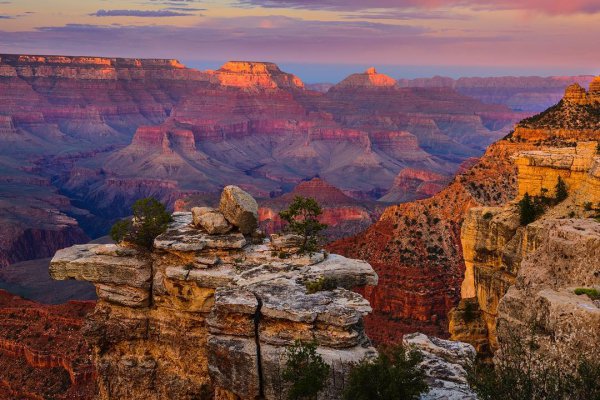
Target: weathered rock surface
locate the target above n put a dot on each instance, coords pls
(211, 220)
(562, 255)
(239, 208)
(219, 312)
(416, 247)
(445, 364)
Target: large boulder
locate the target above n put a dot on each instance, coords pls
(445, 364)
(211, 220)
(240, 209)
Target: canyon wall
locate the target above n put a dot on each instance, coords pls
(525, 93)
(519, 274)
(211, 315)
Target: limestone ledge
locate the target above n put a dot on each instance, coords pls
(208, 312)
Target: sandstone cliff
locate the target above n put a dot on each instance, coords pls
(509, 266)
(210, 315)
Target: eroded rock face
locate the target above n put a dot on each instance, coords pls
(211, 220)
(565, 255)
(207, 315)
(445, 364)
(518, 276)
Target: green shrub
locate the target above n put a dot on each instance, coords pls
(394, 375)
(150, 219)
(529, 209)
(592, 293)
(318, 285)
(302, 218)
(587, 206)
(305, 370)
(560, 190)
(488, 215)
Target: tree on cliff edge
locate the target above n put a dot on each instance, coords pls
(302, 218)
(150, 219)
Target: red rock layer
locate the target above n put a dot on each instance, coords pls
(42, 351)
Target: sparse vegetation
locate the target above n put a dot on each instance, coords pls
(488, 215)
(320, 284)
(520, 375)
(302, 218)
(592, 293)
(560, 190)
(305, 370)
(394, 375)
(529, 209)
(150, 219)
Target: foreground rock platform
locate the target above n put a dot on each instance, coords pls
(206, 315)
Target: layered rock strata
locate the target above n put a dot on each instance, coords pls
(499, 253)
(211, 315)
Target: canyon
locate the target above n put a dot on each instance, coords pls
(83, 137)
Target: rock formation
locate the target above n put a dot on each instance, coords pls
(526, 93)
(445, 364)
(524, 275)
(369, 79)
(204, 314)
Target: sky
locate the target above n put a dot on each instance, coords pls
(320, 40)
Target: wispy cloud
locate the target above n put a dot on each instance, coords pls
(555, 7)
(139, 13)
(6, 17)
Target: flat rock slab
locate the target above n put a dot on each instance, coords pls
(107, 264)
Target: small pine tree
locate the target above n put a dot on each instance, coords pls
(305, 370)
(150, 219)
(560, 190)
(394, 375)
(527, 210)
(302, 218)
